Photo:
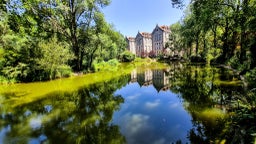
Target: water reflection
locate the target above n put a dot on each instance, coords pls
(82, 116)
(178, 104)
(151, 112)
(158, 77)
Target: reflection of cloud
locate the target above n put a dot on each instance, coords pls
(3, 132)
(177, 126)
(136, 122)
(35, 123)
(160, 141)
(138, 129)
(174, 105)
(152, 104)
(135, 127)
(132, 97)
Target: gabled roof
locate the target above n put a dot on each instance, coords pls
(130, 38)
(165, 28)
(162, 28)
(144, 34)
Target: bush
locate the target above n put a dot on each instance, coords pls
(113, 62)
(63, 71)
(251, 76)
(55, 56)
(109, 65)
(4, 80)
(127, 56)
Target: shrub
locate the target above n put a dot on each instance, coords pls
(55, 56)
(109, 65)
(251, 76)
(63, 71)
(127, 56)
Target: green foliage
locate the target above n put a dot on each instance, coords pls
(218, 30)
(111, 65)
(77, 31)
(251, 76)
(81, 35)
(17, 53)
(127, 56)
(4, 80)
(55, 57)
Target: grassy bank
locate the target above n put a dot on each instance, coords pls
(24, 93)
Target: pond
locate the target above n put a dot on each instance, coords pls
(178, 103)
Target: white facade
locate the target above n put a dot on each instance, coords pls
(131, 44)
(143, 44)
(160, 36)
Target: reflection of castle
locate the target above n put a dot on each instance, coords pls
(144, 78)
(134, 75)
(159, 78)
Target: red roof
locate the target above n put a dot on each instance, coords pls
(146, 34)
(130, 38)
(165, 28)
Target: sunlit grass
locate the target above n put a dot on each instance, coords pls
(211, 116)
(234, 82)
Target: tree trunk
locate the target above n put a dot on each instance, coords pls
(214, 30)
(73, 31)
(243, 35)
(197, 42)
(225, 43)
(205, 48)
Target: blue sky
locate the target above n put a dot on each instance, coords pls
(131, 16)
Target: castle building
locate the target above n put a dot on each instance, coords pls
(143, 44)
(131, 44)
(160, 36)
(146, 44)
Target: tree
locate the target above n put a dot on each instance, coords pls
(70, 16)
(55, 57)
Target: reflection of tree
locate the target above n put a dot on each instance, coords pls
(241, 126)
(201, 94)
(82, 116)
(196, 88)
(195, 85)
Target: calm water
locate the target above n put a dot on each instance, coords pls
(178, 104)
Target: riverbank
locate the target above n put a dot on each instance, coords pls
(112, 65)
(29, 92)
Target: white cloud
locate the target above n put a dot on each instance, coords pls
(154, 104)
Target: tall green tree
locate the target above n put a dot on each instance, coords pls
(71, 16)
(221, 24)
(55, 57)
